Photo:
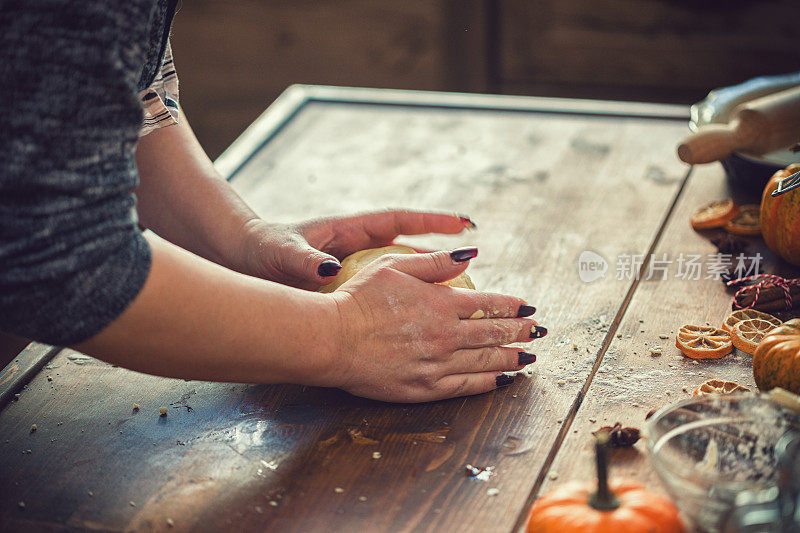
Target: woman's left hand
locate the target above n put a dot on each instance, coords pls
(307, 254)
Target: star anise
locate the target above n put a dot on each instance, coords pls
(728, 243)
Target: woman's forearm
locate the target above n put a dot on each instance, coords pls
(196, 320)
(182, 198)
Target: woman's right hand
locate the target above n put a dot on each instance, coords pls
(406, 339)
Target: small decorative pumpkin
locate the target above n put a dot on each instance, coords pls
(623, 506)
(776, 362)
(780, 218)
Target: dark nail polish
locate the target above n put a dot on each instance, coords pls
(468, 223)
(526, 358)
(537, 332)
(525, 310)
(460, 255)
(503, 379)
(328, 268)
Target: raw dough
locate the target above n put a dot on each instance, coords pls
(355, 262)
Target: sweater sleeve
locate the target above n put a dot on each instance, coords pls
(72, 257)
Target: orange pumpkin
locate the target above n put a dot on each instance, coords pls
(776, 362)
(622, 506)
(780, 218)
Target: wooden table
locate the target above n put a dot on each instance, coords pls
(545, 180)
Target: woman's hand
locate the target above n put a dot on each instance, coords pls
(405, 339)
(306, 255)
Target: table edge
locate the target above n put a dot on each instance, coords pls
(292, 100)
(23, 367)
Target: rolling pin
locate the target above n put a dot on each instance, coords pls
(757, 127)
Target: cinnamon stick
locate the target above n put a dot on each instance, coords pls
(770, 298)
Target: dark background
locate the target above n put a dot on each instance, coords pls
(234, 57)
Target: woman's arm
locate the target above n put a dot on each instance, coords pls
(195, 319)
(182, 197)
(388, 334)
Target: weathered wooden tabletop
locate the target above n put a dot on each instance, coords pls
(545, 180)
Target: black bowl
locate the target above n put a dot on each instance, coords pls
(748, 175)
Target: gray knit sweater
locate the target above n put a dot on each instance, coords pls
(71, 255)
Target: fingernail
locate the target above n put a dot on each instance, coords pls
(460, 255)
(468, 223)
(503, 380)
(526, 358)
(328, 268)
(525, 310)
(537, 332)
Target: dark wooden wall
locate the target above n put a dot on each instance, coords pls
(662, 50)
(235, 57)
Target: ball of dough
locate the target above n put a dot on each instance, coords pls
(355, 262)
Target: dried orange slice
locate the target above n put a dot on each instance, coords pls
(719, 386)
(747, 314)
(747, 222)
(703, 342)
(714, 214)
(746, 334)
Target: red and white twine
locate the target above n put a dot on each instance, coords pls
(763, 281)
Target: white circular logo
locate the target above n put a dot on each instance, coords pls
(591, 266)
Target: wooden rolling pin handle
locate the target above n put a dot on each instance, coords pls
(716, 141)
(710, 143)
